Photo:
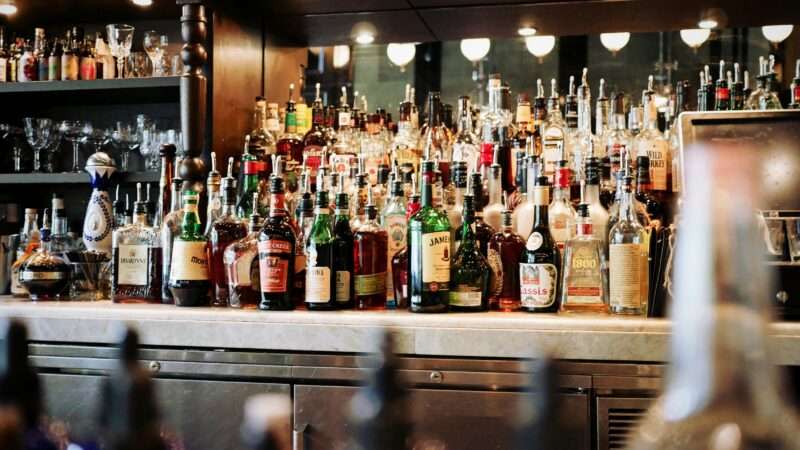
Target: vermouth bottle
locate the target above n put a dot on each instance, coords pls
(241, 266)
(470, 273)
(188, 277)
(429, 252)
(370, 243)
(627, 257)
(540, 263)
(320, 280)
(276, 253)
(343, 249)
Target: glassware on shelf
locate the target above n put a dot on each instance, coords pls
(155, 45)
(138, 65)
(120, 38)
(97, 137)
(149, 146)
(39, 133)
(127, 137)
(73, 131)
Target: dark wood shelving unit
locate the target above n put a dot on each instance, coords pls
(78, 86)
(116, 91)
(74, 178)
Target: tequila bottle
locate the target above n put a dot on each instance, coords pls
(137, 259)
(370, 261)
(343, 249)
(226, 229)
(466, 146)
(540, 262)
(320, 282)
(469, 273)
(241, 267)
(506, 247)
(188, 277)
(429, 251)
(396, 226)
(169, 229)
(627, 258)
(584, 285)
(276, 253)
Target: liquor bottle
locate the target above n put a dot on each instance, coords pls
(399, 262)
(396, 225)
(359, 194)
(618, 139)
(213, 183)
(554, 135)
(150, 206)
(466, 144)
(681, 105)
(45, 276)
(29, 241)
(88, 66)
(373, 148)
(169, 230)
(483, 231)
(276, 253)
(520, 182)
(343, 249)
(226, 229)
(591, 196)
(795, 87)
(651, 142)
(602, 111)
(53, 61)
(540, 262)
(380, 189)
(26, 66)
(653, 207)
(305, 219)
(167, 154)
(583, 143)
(241, 266)
(507, 248)
(104, 55)
(584, 286)
(709, 88)
(571, 107)
(70, 60)
(737, 90)
(438, 139)
(539, 120)
(189, 278)
(496, 125)
(769, 99)
(495, 207)
(722, 92)
(345, 147)
(262, 142)
(314, 141)
(251, 166)
(320, 282)
(429, 251)
(525, 130)
(370, 258)
(13, 60)
(290, 144)
(470, 272)
(4, 56)
(628, 248)
(42, 49)
(273, 122)
(562, 214)
(137, 259)
(61, 241)
(459, 183)
(523, 214)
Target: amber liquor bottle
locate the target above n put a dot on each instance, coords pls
(370, 247)
(276, 253)
(241, 266)
(506, 247)
(188, 277)
(226, 229)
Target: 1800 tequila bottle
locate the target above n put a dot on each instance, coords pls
(584, 285)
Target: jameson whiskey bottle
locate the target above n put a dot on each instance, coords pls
(188, 277)
(470, 273)
(429, 251)
(276, 252)
(343, 249)
(540, 263)
(320, 278)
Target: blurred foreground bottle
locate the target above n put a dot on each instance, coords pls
(267, 421)
(723, 391)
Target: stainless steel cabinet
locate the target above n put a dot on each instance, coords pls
(617, 417)
(458, 419)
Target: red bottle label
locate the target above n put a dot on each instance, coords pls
(723, 94)
(797, 93)
(274, 265)
(252, 167)
(487, 154)
(562, 177)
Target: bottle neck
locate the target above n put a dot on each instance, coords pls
(495, 187)
(138, 219)
(583, 226)
(592, 193)
(191, 219)
(427, 189)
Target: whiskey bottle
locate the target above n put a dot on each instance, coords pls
(370, 259)
(429, 251)
(627, 257)
(651, 143)
(396, 226)
(137, 259)
(276, 253)
(507, 248)
(399, 261)
(540, 263)
(226, 229)
(320, 282)
(584, 284)
(343, 249)
(188, 277)
(169, 230)
(653, 208)
(469, 273)
(241, 266)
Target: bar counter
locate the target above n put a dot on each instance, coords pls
(488, 335)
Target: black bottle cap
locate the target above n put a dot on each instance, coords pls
(397, 188)
(469, 208)
(276, 185)
(342, 201)
(322, 199)
(383, 174)
(428, 166)
(459, 174)
(477, 187)
(19, 384)
(414, 198)
(407, 169)
(506, 218)
(361, 180)
(593, 170)
(542, 181)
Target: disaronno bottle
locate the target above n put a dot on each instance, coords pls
(188, 277)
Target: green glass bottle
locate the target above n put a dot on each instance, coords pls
(188, 278)
(429, 251)
(469, 274)
(320, 280)
(250, 166)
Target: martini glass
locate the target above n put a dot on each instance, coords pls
(73, 131)
(127, 137)
(155, 44)
(38, 133)
(120, 39)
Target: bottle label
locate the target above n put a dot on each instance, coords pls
(29, 275)
(344, 119)
(371, 284)
(657, 151)
(318, 284)
(243, 267)
(273, 259)
(342, 286)
(436, 257)
(560, 230)
(132, 264)
(291, 122)
(341, 163)
(397, 229)
(3, 69)
(537, 285)
(625, 277)
(524, 113)
(535, 240)
(312, 156)
(552, 154)
(189, 261)
(465, 296)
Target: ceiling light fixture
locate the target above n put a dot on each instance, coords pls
(615, 42)
(776, 33)
(401, 54)
(475, 49)
(142, 2)
(8, 8)
(540, 46)
(365, 38)
(526, 31)
(341, 56)
(695, 37)
(707, 24)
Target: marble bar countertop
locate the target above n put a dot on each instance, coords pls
(492, 334)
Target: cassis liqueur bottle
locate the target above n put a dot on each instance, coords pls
(276, 253)
(540, 263)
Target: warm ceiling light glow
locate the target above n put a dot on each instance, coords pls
(8, 9)
(341, 56)
(475, 49)
(365, 38)
(707, 24)
(540, 46)
(401, 54)
(777, 33)
(695, 37)
(614, 42)
(526, 31)
(142, 2)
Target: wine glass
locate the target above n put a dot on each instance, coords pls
(97, 137)
(127, 136)
(38, 133)
(120, 39)
(150, 144)
(73, 131)
(155, 44)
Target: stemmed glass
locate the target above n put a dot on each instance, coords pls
(38, 132)
(127, 136)
(120, 39)
(98, 137)
(73, 131)
(155, 44)
(149, 147)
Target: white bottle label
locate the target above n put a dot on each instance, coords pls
(189, 261)
(465, 296)
(436, 257)
(625, 282)
(244, 265)
(535, 240)
(552, 154)
(132, 265)
(3, 69)
(658, 153)
(344, 119)
(342, 286)
(537, 285)
(318, 284)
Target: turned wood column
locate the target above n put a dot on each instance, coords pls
(193, 93)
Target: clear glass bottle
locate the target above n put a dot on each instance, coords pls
(554, 136)
(583, 144)
(45, 276)
(396, 225)
(562, 214)
(506, 247)
(374, 148)
(320, 282)
(494, 209)
(466, 144)
(469, 273)
(524, 213)
(438, 139)
(370, 261)
(189, 278)
(406, 149)
(241, 266)
(769, 99)
(305, 220)
(459, 183)
(136, 256)
(540, 262)
(169, 229)
(226, 229)
(618, 139)
(213, 183)
(651, 142)
(315, 141)
(584, 286)
(591, 197)
(628, 249)
(262, 141)
(29, 241)
(276, 253)
(343, 249)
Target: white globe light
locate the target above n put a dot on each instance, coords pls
(777, 33)
(694, 37)
(540, 46)
(475, 49)
(341, 56)
(401, 54)
(614, 42)
(8, 9)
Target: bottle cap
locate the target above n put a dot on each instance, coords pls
(322, 199)
(593, 171)
(383, 173)
(276, 185)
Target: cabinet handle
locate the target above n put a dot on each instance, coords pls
(299, 437)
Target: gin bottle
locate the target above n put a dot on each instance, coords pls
(470, 273)
(188, 277)
(584, 284)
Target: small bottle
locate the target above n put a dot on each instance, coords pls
(188, 277)
(70, 59)
(226, 229)
(627, 258)
(29, 241)
(722, 92)
(343, 249)
(540, 263)
(213, 193)
(320, 282)
(276, 253)
(469, 273)
(562, 214)
(137, 259)
(507, 247)
(370, 259)
(584, 286)
(44, 275)
(88, 67)
(241, 267)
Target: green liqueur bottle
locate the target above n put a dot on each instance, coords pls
(429, 251)
(320, 279)
(469, 275)
(343, 249)
(276, 253)
(188, 278)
